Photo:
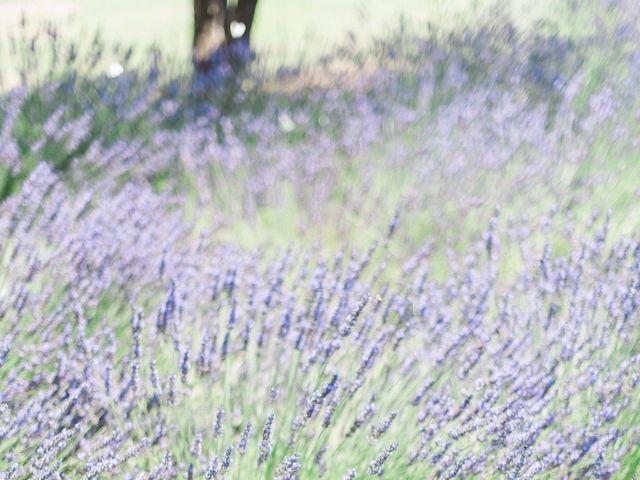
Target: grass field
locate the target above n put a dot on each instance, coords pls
(288, 29)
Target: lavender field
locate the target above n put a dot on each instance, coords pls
(418, 261)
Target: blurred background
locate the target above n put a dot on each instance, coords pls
(291, 30)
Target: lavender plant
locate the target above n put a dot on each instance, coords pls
(449, 287)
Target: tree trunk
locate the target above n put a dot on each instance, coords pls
(210, 18)
(245, 13)
(213, 27)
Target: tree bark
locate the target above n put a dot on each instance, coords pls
(210, 18)
(212, 27)
(245, 13)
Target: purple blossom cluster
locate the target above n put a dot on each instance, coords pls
(439, 337)
(133, 349)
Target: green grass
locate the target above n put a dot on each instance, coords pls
(287, 30)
